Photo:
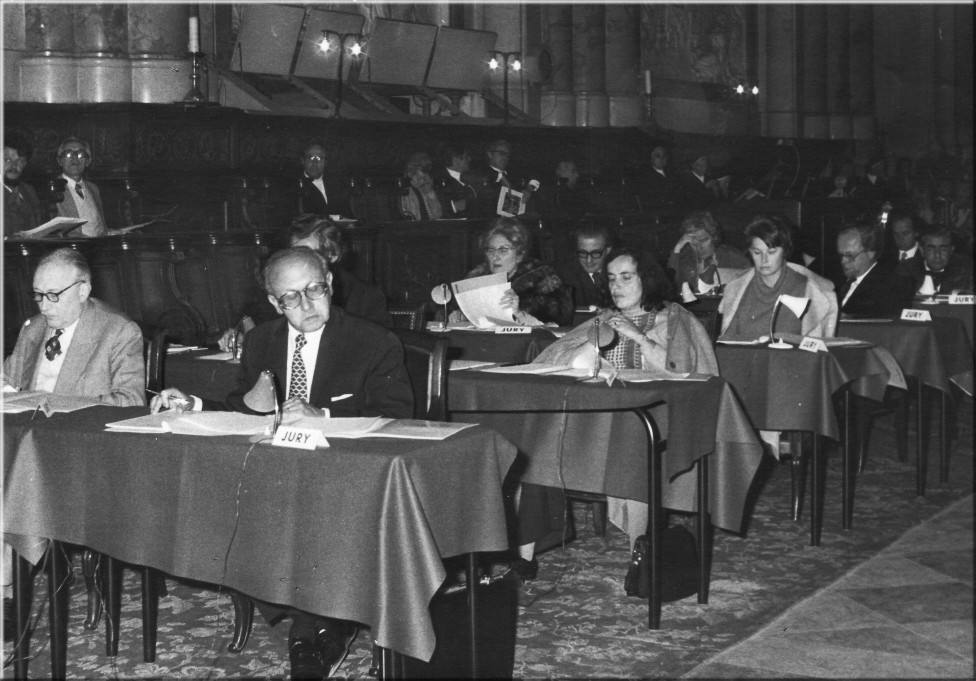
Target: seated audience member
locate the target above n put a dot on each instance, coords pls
(81, 196)
(652, 332)
(871, 288)
(537, 294)
(492, 175)
(317, 193)
(349, 292)
(747, 304)
(660, 188)
(77, 345)
(839, 189)
(419, 200)
(699, 190)
(316, 352)
(873, 187)
(907, 250)
(21, 207)
(452, 184)
(941, 270)
(564, 200)
(700, 253)
(584, 275)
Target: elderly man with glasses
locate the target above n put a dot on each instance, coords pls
(322, 359)
(870, 289)
(317, 193)
(81, 196)
(585, 273)
(77, 345)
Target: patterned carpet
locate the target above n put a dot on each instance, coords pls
(575, 620)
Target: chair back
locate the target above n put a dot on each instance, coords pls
(154, 354)
(425, 357)
(412, 318)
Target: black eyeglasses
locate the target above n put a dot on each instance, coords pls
(292, 299)
(52, 296)
(315, 157)
(75, 154)
(591, 255)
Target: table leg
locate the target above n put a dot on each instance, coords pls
(703, 522)
(944, 437)
(57, 589)
(817, 490)
(150, 612)
(921, 458)
(23, 580)
(653, 519)
(471, 568)
(112, 588)
(847, 476)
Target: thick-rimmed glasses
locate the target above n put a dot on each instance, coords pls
(591, 255)
(80, 155)
(52, 296)
(503, 251)
(289, 300)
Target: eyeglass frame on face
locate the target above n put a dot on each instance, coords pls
(326, 290)
(592, 255)
(500, 250)
(314, 157)
(79, 154)
(851, 257)
(53, 296)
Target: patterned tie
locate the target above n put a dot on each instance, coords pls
(298, 387)
(78, 190)
(904, 255)
(52, 348)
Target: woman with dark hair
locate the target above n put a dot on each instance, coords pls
(748, 303)
(537, 293)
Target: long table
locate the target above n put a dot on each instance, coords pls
(593, 437)
(356, 531)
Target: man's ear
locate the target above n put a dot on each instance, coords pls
(84, 290)
(328, 280)
(274, 303)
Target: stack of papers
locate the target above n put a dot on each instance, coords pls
(207, 423)
(55, 226)
(49, 403)
(176, 348)
(378, 426)
(480, 299)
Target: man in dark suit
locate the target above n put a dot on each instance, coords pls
(906, 250)
(585, 274)
(946, 270)
(318, 194)
(452, 184)
(21, 207)
(81, 196)
(696, 186)
(323, 359)
(870, 288)
(660, 188)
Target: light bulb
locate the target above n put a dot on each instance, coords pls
(755, 90)
(493, 64)
(356, 49)
(517, 65)
(740, 89)
(324, 44)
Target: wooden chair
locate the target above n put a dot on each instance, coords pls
(425, 357)
(412, 318)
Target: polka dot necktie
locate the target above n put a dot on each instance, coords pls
(298, 386)
(52, 348)
(78, 191)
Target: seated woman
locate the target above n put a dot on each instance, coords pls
(747, 305)
(419, 200)
(700, 253)
(348, 291)
(537, 293)
(652, 332)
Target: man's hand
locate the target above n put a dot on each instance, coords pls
(299, 407)
(170, 398)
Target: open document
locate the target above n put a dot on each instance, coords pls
(480, 299)
(208, 423)
(49, 403)
(53, 227)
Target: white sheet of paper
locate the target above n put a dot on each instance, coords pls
(480, 299)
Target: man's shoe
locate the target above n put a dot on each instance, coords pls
(305, 657)
(334, 640)
(525, 569)
(9, 624)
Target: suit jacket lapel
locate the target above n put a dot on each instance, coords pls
(325, 363)
(279, 357)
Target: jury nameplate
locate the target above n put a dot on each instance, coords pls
(301, 438)
(513, 329)
(813, 345)
(962, 299)
(912, 315)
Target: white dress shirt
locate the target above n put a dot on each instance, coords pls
(909, 254)
(46, 375)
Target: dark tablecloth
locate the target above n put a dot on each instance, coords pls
(964, 313)
(582, 436)
(794, 389)
(488, 346)
(356, 531)
(931, 351)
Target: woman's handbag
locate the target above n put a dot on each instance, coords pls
(679, 566)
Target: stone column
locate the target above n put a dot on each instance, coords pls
(862, 72)
(813, 70)
(778, 63)
(622, 62)
(838, 71)
(589, 66)
(158, 47)
(558, 101)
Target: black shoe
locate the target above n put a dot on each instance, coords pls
(305, 657)
(9, 625)
(334, 640)
(527, 570)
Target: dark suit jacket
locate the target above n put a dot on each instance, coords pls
(312, 201)
(694, 192)
(448, 189)
(355, 357)
(103, 362)
(957, 275)
(585, 292)
(659, 190)
(880, 293)
(21, 209)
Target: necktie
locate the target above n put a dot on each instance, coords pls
(298, 387)
(52, 348)
(78, 190)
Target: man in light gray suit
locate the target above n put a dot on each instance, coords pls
(81, 197)
(77, 345)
